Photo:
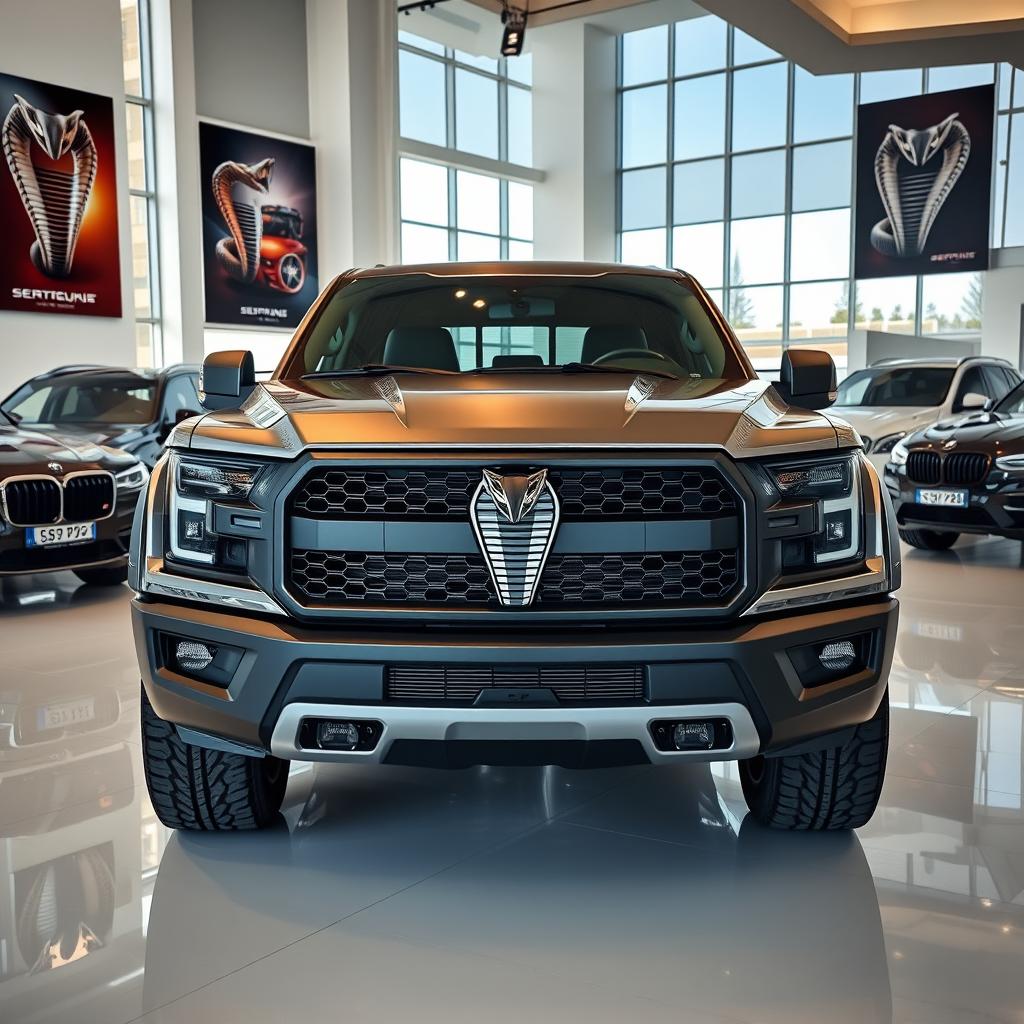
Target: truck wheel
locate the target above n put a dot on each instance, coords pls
(104, 576)
(205, 790)
(929, 540)
(835, 788)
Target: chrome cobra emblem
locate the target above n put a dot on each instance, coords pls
(515, 515)
(55, 467)
(915, 170)
(949, 445)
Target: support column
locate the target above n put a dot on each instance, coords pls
(574, 141)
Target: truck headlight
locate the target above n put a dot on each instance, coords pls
(194, 485)
(833, 482)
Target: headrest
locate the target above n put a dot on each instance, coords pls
(604, 338)
(430, 348)
(516, 360)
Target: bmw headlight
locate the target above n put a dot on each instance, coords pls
(884, 445)
(899, 453)
(833, 484)
(132, 478)
(1011, 463)
(194, 485)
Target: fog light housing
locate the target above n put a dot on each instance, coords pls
(692, 734)
(838, 656)
(834, 658)
(193, 656)
(339, 734)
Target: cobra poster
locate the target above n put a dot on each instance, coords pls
(924, 174)
(58, 201)
(259, 227)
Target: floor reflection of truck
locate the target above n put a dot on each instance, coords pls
(282, 254)
(70, 856)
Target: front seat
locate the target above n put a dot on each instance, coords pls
(604, 338)
(428, 348)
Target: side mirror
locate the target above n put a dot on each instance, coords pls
(807, 378)
(226, 379)
(973, 400)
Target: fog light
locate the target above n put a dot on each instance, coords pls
(838, 656)
(334, 735)
(694, 736)
(192, 656)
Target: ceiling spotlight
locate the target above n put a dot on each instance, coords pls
(512, 38)
(479, 303)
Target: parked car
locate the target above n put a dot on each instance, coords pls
(65, 505)
(963, 475)
(583, 533)
(895, 397)
(133, 410)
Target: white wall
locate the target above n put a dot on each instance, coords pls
(77, 45)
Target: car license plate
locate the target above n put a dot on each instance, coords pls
(938, 631)
(950, 499)
(66, 533)
(68, 712)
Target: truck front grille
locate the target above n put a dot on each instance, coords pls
(327, 578)
(442, 684)
(444, 493)
(633, 536)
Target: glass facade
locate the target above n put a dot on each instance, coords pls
(135, 42)
(472, 107)
(737, 165)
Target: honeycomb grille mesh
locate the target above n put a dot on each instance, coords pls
(445, 493)
(338, 578)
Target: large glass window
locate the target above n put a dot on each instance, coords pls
(755, 180)
(135, 45)
(480, 109)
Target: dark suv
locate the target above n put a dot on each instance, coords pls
(133, 410)
(515, 514)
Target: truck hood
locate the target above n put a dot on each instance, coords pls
(513, 411)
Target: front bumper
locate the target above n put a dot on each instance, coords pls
(287, 672)
(995, 506)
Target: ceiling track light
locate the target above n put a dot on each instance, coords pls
(512, 38)
(419, 5)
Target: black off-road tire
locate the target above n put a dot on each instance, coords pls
(836, 788)
(930, 540)
(104, 575)
(205, 790)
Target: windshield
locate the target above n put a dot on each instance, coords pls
(626, 322)
(74, 401)
(1013, 403)
(896, 386)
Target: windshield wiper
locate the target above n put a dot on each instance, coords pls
(611, 368)
(371, 370)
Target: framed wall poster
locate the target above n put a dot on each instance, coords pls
(924, 180)
(58, 200)
(259, 227)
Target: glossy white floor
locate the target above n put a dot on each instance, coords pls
(519, 895)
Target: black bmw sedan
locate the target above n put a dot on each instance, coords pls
(964, 475)
(133, 410)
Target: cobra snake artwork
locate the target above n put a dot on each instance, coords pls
(54, 198)
(239, 254)
(915, 170)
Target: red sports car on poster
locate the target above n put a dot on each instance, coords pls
(282, 254)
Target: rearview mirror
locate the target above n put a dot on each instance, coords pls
(973, 400)
(226, 379)
(807, 378)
